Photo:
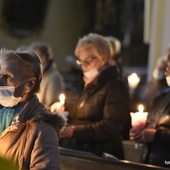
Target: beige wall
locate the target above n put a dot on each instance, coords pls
(63, 26)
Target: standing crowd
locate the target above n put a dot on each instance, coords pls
(32, 127)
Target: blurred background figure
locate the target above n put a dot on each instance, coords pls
(21, 48)
(115, 46)
(148, 91)
(99, 118)
(73, 77)
(52, 83)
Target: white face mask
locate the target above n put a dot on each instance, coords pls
(168, 80)
(91, 73)
(7, 98)
(158, 75)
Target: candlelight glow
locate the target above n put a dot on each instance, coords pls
(133, 80)
(139, 118)
(62, 98)
(141, 108)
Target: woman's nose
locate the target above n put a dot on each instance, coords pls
(84, 67)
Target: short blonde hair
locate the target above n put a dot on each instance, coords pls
(98, 41)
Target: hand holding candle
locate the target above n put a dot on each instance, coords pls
(58, 107)
(139, 119)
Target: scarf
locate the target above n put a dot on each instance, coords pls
(7, 115)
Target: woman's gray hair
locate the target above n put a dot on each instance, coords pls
(29, 62)
(98, 41)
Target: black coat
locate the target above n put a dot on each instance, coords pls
(101, 115)
(159, 118)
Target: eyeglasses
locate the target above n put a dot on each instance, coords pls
(86, 62)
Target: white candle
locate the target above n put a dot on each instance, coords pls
(133, 80)
(58, 107)
(139, 118)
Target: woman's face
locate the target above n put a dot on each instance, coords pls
(89, 59)
(10, 75)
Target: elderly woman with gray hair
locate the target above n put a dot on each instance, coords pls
(99, 116)
(29, 134)
(52, 83)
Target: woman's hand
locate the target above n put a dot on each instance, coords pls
(147, 135)
(67, 132)
(144, 136)
(133, 134)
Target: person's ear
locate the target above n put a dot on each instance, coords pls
(30, 85)
(105, 59)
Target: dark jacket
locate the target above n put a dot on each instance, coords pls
(101, 114)
(159, 118)
(32, 138)
(149, 91)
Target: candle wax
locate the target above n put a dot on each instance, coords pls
(138, 120)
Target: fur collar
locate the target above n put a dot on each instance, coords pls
(51, 118)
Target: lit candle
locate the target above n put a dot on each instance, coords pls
(62, 98)
(58, 106)
(139, 119)
(133, 80)
(63, 113)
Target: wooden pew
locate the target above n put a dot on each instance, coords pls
(130, 152)
(75, 160)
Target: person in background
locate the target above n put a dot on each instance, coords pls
(156, 134)
(29, 135)
(52, 83)
(73, 76)
(115, 46)
(145, 93)
(21, 48)
(100, 114)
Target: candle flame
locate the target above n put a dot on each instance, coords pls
(62, 98)
(134, 75)
(141, 108)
